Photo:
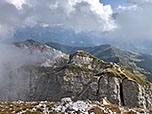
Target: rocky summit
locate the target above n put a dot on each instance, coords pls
(79, 76)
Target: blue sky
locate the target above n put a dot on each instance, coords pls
(114, 3)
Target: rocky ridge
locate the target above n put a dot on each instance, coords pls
(47, 56)
(137, 63)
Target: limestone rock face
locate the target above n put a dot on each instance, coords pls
(109, 87)
(137, 95)
(130, 90)
(80, 77)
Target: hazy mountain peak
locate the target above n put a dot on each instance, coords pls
(46, 56)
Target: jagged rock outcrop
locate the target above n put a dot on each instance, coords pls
(110, 87)
(81, 76)
(137, 95)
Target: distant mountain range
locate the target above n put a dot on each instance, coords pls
(64, 36)
(138, 63)
(54, 34)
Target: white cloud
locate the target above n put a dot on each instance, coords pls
(121, 9)
(134, 24)
(79, 15)
(140, 1)
(17, 3)
(9, 19)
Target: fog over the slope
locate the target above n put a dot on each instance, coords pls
(13, 64)
(12, 58)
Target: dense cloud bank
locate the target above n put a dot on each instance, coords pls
(125, 22)
(79, 15)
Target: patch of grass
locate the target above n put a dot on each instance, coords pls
(96, 110)
(130, 112)
(136, 78)
(54, 112)
(130, 76)
(113, 108)
(113, 72)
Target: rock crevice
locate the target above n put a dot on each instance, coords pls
(122, 95)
